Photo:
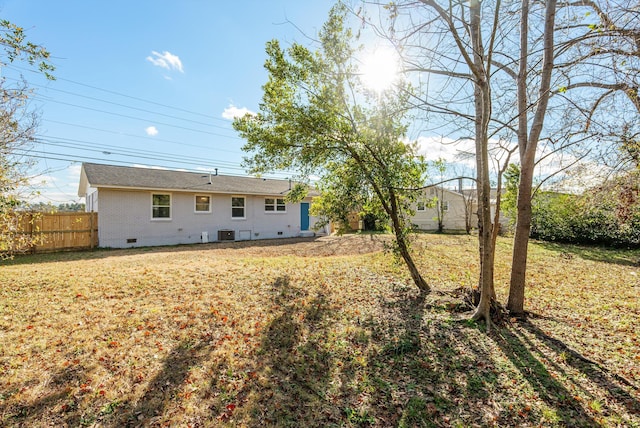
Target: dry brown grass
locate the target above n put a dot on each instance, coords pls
(313, 332)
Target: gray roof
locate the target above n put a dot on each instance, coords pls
(111, 176)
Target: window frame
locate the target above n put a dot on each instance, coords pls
(424, 205)
(244, 207)
(445, 207)
(195, 204)
(276, 205)
(153, 206)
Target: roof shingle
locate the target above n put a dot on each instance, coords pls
(99, 175)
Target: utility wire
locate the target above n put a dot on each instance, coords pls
(154, 139)
(15, 67)
(128, 106)
(74, 159)
(132, 117)
(114, 150)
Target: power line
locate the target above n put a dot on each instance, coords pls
(128, 106)
(92, 147)
(144, 154)
(108, 91)
(75, 159)
(154, 139)
(133, 117)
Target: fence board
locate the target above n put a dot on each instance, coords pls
(62, 231)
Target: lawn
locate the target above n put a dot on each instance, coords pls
(316, 332)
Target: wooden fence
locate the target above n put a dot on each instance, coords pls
(61, 231)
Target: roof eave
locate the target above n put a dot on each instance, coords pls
(168, 189)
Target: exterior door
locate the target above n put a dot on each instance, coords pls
(304, 216)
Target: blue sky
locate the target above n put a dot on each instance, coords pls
(149, 82)
(154, 83)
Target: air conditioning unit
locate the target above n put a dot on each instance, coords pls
(226, 235)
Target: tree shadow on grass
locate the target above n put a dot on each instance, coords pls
(58, 407)
(517, 349)
(612, 383)
(163, 388)
(295, 361)
(322, 246)
(104, 253)
(422, 377)
(619, 256)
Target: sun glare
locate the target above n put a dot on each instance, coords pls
(380, 69)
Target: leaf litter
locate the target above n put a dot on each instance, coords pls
(315, 332)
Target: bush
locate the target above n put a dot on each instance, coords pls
(607, 215)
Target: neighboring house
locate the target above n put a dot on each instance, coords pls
(146, 207)
(426, 212)
(472, 194)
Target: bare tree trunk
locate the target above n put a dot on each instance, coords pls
(515, 303)
(482, 95)
(527, 144)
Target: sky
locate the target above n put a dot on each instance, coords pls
(153, 83)
(157, 83)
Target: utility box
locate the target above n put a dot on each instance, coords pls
(204, 238)
(226, 235)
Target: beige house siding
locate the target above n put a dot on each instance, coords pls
(454, 216)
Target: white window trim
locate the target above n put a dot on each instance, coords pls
(445, 207)
(424, 206)
(244, 207)
(195, 204)
(170, 207)
(275, 206)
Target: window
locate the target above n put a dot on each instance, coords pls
(422, 206)
(445, 207)
(203, 204)
(274, 204)
(237, 207)
(161, 206)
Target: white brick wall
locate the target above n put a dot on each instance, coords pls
(126, 215)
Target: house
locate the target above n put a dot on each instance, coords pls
(147, 207)
(457, 209)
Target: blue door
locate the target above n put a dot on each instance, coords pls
(304, 216)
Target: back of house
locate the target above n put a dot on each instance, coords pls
(147, 207)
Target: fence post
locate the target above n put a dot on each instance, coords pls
(91, 231)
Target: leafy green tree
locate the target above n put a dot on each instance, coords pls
(556, 216)
(317, 117)
(71, 207)
(42, 207)
(17, 127)
(509, 198)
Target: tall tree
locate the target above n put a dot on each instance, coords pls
(529, 133)
(458, 47)
(17, 126)
(317, 117)
(595, 55)
(506, 88)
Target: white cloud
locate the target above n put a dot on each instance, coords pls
(73, 172)
(233, 112)
(452, 151)
(151, 131)
(166, 60)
